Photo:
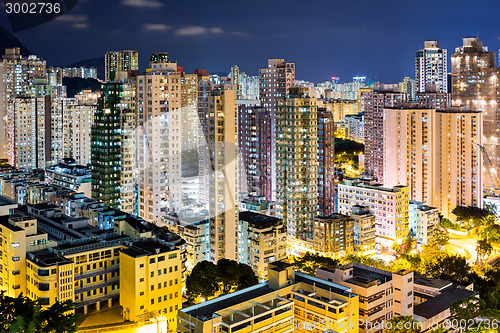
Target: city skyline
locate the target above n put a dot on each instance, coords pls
(361, 41)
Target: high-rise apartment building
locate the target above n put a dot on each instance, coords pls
(297, 162)
(159, 146)
(409, 150)
(431, 68)
(409, 87)
(222, 156)
(254, 140)
(326, 162)
(120, 61)
(475, 84)
(30, 140)
(389, 205)
(189, 112)
(373, 104)
(275, 81)
(16, 73)
(437, 154)
(113, 147)
(78, 117)
(460, 167)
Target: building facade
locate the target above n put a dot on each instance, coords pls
(431, 68)
(296, 163)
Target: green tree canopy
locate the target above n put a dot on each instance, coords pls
(448, 267)
(209, 280)
(310, 262)
(22, 314)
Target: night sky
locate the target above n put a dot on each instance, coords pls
(343, 38)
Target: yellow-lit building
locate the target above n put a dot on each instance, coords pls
(333, 235)
(18, 234)
(289, 302)
(262, 241)
(98, 270)
(151, 281)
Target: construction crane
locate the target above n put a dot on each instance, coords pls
(491, 172)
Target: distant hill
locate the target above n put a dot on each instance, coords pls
(76, 84)
(8, 40)
(98, 63)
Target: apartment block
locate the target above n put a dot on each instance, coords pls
(461, 157)
(262, 240)
(409, 150)
(221, 154)
(196, 236)
(475, 85)
(389, 205)
(354, 125)
(254, 139)
(373, 104)
(78, 118)
(289, 302)
(275, 82)
(333, 235)
(382, 294)
(326, 162)
(119, 61)
(159, 144)
(297, 162)
(364, 227)
(423, 221)
(431, 68)
(17, 73)
(151, 281)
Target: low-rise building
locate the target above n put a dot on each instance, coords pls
(196, 237)
(389, 205)
(289, 302)
(364, 231)
(262, 241)
(333, 235)
(70, 175)
(382, 294)
(423, 221)
(151, 281)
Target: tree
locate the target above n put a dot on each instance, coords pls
(208, 280)
(204, 281)
(402, 324)
(229, 274)
(448, 267)
(365, 260)
(471, 216)
(439, 239)
(247, 277)
(22, 314)
(310, 262)
(467, 308)
(483, 249)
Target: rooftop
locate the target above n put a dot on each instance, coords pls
(46, 258)
(323, 284)
(366, 276)
(438, 304)
(4, 220)
(204, 311)
(260, 221)
(430, 282)
(6, 201)
(147, 247)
